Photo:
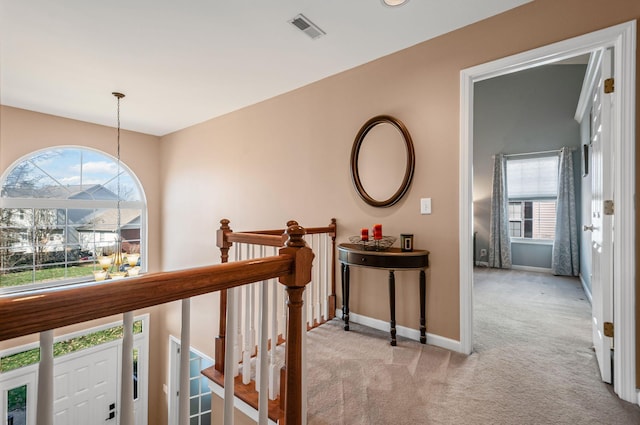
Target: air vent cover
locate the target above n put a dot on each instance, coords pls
(306, 26)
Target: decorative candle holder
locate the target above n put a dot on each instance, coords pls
(105, 262)
(99, 275)
(132, 259)
(133, 271)
(381, 244)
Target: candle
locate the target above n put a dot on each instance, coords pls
(377, 231)
(364, 234)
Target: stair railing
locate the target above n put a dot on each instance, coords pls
(42, 311)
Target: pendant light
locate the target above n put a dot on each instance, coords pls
(117, 255)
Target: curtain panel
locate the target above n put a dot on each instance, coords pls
(565, 259)
(499, 240)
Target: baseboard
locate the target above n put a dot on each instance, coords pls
(238, 404)
(482, 264)
(530, 269)
(587, 292)
(414, 334)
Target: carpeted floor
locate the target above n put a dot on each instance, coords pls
(532, 364)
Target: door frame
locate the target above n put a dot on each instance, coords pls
(29, 374)
(622, 38)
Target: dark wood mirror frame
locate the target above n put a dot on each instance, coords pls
(355, 152)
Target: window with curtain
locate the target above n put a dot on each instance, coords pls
(532, 184)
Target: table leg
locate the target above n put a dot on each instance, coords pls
(392, 305)
(423, 296)
(345, 295)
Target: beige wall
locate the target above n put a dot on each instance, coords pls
(23, 132)
(288, 158)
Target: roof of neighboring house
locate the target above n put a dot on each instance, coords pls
(106, 220)
(88, 192)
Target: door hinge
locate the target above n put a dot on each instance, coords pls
(608, 207)
(609, 85)
(608, 329)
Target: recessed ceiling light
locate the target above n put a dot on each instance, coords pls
(394, 2)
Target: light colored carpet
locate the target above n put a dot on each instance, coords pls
(532, 364)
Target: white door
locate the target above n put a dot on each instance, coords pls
(601, 223)
(85, 388)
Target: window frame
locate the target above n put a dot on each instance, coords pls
(70, 204)
(533, 199)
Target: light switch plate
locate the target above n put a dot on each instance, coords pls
(425, 206)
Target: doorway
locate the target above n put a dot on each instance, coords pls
(621, 38)
(87, 380)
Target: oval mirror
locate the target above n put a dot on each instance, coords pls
(382, 161)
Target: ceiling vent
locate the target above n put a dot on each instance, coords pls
(306, 26)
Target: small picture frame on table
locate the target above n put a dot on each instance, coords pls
(406, 242)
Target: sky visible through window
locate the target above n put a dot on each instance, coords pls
(69, 168)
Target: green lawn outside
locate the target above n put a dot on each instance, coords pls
(60, 348)
(45, 275)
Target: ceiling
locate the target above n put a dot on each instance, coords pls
(181, 63)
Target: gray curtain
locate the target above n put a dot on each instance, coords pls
(499, 241)
(565, 259)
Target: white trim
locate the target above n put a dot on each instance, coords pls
(589, 81)
(141, 343)
(173, 376)
(530, 269)
(622, 38)
(238, 404)
(624, 231)
(586, 289)
(413, 334)
(525, 241)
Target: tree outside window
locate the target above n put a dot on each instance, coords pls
(60, 210)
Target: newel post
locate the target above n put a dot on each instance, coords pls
(295, 284)
(223, 243)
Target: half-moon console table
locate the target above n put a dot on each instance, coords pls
(392, 259)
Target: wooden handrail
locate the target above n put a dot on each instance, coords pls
(37, 311)
(257, 239)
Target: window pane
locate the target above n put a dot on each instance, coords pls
(60, 245)
(194, 404)
(17, 406)
(532, 177)
(544, 220)
(136, 357)
(194, 368)
(206, 402)
(194, 386)
(205, 419)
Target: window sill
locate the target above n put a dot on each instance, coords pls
(532, 241)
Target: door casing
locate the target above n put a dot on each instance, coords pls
(622, 38)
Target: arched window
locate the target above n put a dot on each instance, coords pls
(60, 211)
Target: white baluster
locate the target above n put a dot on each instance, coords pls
(317, 282)
(262, 375)
(44, 406)
(237, 311)
(185, 349)
(246, 352)
(274, 371)
(230, 363)
(327, 275)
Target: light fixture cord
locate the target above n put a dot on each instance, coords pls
(118, 224)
